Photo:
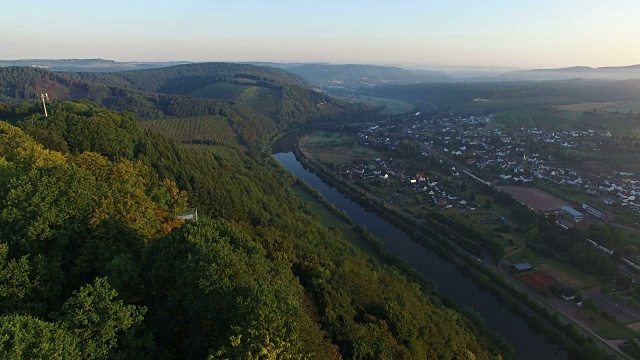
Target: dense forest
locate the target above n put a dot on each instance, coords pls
(94, 264)
(242, 92)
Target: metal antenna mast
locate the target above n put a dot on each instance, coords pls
(44, 97)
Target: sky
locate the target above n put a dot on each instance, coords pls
(489, 33)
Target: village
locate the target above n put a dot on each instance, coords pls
(423, 165)
(499, 157)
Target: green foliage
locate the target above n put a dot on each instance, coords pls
(95, 317)
(213, 282)
(263, 279)
(14, 280)
(87, 327)
(25, 337)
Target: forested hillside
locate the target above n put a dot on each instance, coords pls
(241, 92)
(93, 263)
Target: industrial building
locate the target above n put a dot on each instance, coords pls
(571, 213)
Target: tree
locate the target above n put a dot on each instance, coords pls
(95, 317)
(25, 337)
(487, 204)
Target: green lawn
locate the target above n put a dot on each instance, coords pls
(617, 332)
(526, 255)
(330, 220)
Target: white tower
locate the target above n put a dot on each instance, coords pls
(44, 104)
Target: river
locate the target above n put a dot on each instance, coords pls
(528, 343)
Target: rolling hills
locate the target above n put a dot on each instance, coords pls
(184, 91)
(354, 74)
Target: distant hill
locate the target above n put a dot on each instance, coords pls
(275, 93)
(256, 100)
(576, 72)
(87, 65)
(325, 74)
(490, 97)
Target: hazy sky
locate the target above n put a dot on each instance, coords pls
(510, 33)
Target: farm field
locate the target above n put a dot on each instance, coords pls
(582, 107)
(529, 118)
(614, 123)
(392, 106)
(534, 198)
(504, 104)
(336, 148)
(633, 106)
(262, 100)
(327, 138)
(210, 128)
(342, 154)
(611, 106)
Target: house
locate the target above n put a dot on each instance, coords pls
(568, 293)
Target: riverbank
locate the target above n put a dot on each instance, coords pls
(556, 328)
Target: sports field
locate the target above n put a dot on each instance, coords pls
(535, 198)
(538, 281)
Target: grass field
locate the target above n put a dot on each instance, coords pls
(330, 220)
(609, 122)
(617, 332)
(633, 106)
(342, 154)
(530, 118)
(503, 104)
(336, 148)
(569, 114)
(261, 100)
(327, 138)
(590, 106)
